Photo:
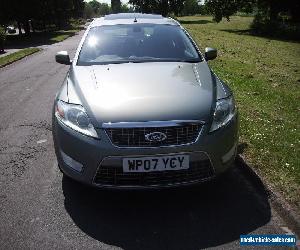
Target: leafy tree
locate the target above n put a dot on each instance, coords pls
(95, 6)
(5, 12)
(125, 8)
(163, 7)
(96, 9)
(115, 6)
(2, 39)
(88, 11)
(270, 9)
(144, 6)
(192, 7)
(176, 6)
(104, 9)
(224, 8)
(31, 12)
(78, 7)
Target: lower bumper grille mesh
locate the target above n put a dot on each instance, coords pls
(112, 175)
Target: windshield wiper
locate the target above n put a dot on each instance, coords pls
(139, 60)
(135, 59)
(191, 60)
(152, 59)
(117, 62)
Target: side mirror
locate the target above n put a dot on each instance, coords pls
(210, 54)
(63, 57)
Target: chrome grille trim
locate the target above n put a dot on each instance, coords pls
(132, 134)
(149, 124)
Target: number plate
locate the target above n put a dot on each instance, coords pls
(159, 163)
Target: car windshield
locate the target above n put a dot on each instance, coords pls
(137, 43)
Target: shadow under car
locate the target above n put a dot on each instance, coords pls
(207, 215)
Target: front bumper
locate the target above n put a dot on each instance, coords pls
(80, 157)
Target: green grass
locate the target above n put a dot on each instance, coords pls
(59, 36)
(265, 77)
(17, 56)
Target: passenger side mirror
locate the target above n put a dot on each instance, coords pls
(210, 54)
(63, 57)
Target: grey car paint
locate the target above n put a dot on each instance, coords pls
(131, 92)
(141, 92)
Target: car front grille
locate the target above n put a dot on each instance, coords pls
(114, 176)
(136, 137)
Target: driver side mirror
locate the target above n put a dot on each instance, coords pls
(210, 54)
(63, 58)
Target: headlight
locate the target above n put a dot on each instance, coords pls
(224, 112)
(75, 117)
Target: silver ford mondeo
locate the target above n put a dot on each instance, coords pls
(140, 107)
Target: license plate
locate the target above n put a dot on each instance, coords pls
(157, 163)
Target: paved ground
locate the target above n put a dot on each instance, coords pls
(9, 51)
(41, 210)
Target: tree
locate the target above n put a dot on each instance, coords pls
(30, 12)
(191, 7)
(5, 12)
(224, 8)
(2, 39)
(104, 9)
(78, 7)
(115, 6)
(88, 11)
(163, 7)
(144, 6)
(270, 9)
(96, 9)
(126, 9)
(95, 6)
(177, 6)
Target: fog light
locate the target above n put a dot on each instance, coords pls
(229, 154)
(75, 165)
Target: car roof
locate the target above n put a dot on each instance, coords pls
(130, 18)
